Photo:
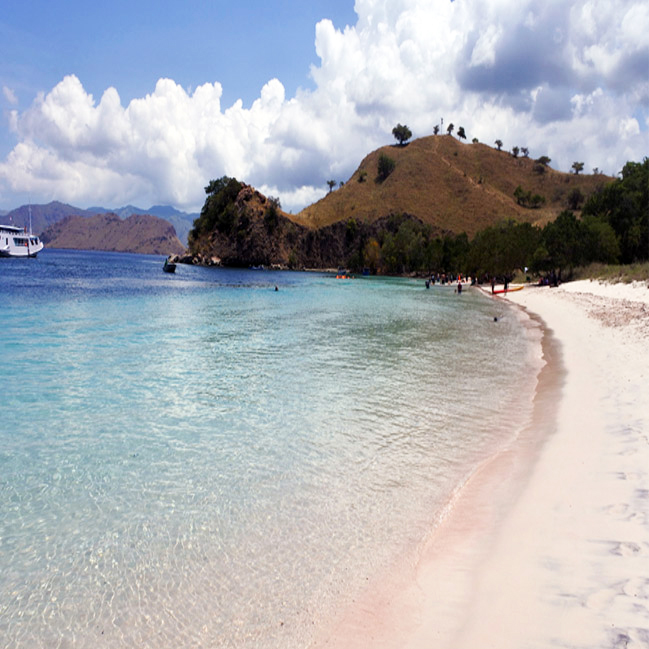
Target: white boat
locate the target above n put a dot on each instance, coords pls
(16, 242)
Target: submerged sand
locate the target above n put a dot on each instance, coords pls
(548, 545)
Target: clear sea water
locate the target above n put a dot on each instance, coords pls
(199, 460)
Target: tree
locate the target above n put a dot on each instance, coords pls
(271, 215)
(515, 151)
(475, 140)
(461, 134)
(450, 128)
(436, 129)
(499, 144)
(332, 184)
(565, 242)
(575, 199)
(386, 166)
(578, 166)
(541, 164)
(218, 211)
(402, 133)
(503, 248)
(622, 204)
(525, 151)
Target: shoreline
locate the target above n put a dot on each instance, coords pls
(547, 545)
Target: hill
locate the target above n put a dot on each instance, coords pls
(141, 233)
(45, 215)
(182, 221)
(453, 186)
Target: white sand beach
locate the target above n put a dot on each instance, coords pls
(548, 545)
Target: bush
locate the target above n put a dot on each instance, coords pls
(386, 166)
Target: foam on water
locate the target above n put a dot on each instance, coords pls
(200, 460)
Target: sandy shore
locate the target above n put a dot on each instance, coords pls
(548, 545)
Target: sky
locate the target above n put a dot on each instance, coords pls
(143, 102)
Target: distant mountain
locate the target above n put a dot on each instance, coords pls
(45, 215)
(42, 216)
(182, 221)
(141, 233)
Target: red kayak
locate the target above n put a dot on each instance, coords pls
(509, 290)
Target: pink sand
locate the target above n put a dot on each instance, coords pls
(548, 544)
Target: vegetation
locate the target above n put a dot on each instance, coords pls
(385, 167)
(402, 133)
(613, 227)
(527, 199)
(219, 212)
(271, 214)
(623, 205)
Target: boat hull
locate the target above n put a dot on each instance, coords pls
(15, 242)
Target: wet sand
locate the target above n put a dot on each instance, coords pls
(548, 544)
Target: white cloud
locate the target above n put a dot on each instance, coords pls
(9, 95)
(567, 80)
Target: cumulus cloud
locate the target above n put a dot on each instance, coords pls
(567, 80)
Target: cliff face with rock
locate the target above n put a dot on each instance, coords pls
(143, 234)
(250, 230)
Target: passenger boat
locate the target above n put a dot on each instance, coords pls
(16, 242)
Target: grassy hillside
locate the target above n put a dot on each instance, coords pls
(452, 185)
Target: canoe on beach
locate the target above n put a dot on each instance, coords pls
(508, 290)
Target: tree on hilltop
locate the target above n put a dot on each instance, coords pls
(450, 128)
(332, 184)
(499, 144)
(577, 167)
(402, 133)
(461, 134)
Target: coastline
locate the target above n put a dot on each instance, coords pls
(547, 545)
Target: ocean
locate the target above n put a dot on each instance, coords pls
(201, 460)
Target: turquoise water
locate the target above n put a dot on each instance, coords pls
(200, 460)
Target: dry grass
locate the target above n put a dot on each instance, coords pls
(454, 186)
(630, 273)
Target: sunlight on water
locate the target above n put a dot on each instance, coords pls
(200, 460)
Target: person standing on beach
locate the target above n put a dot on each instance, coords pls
(493, 284)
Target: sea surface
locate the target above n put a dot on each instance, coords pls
(201, 460)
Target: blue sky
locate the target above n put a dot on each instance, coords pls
(131, 44)
(115, 103)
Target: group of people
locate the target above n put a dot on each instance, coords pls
(443, 278)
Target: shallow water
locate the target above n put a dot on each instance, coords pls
(200, 460)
